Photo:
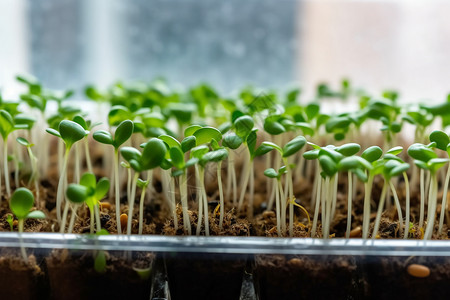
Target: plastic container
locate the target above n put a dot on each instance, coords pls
(304, 267)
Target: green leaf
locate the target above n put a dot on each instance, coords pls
(243, 126)
(215, 156)
(130, 153)
(232, 141)
(23, 142)
(395, 151)
(271, 173)
(328, 165)
(191, 130)
(188, 143)
(399, 169)
(88, 180)
(273, 127)
(103, 137)
(77, 193)
(170, 141)
(435, 163)
(311, 155)
(123, 132)
(102, 188)
(6, 123)
(293, 146)
(206, 134)
(153, 154)
(440, 138)
(142, 184)
(312, 110)
(331, 152)
(348, 149)
(421, 164)
(421, 152)
(371, 154)
(361, 175)
(71, 132)
(117, 114)
(251, 142)
(348, 163)
(177, 157)
(80, 120)
(21, 202)
(199, 151)
(273, 146)
(35, 214)
(261, 150)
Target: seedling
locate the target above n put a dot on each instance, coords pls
(21, 203)
(89, 191)
(70, 133)
(34, 177)
(152, 156)
(123, 132)
(7, 125)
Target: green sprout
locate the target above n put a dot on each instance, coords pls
(10, 220)
(292, 147)
(7, 126)
(21, 202)
(271, 173)
(426, 159)
(89, 191)
(34, 177)
(152, 156)
(69, 132)
(123, 132)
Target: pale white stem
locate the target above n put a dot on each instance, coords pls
(22, 248)
(117, 190)
(72, 218)
(335, 187)
(205, 200)
(199, 197)
(329, 200)
(349, 204)
(422, 198)
(129, 178)
(407, 208)
(399, 208)
(88, 155)
(444, 200)
(317, 205)
(5, 167)
(222, 204)
(244, 182)
(91, 227)
(131, 202)
(60, 155)
(432, 201)
(77, 163)
(64, 217)
(277, 206)
(272, 196)
(60, 191)
(141, 211)
(283, 208)
(251, 190)
(184, 203)
(366, 212)
(174, 203)
(380, 211)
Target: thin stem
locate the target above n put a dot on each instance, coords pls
(277, 206)
(88, 155)
(5, 167)
(98, 222)
(174, 202)
(64, 217)
(131, 202)
(222, 204)
(422, 198)
(366, 212)
(335, 187)
(432, 202)
(444, 200)
(129, 178)
(199, 201)
(349, 204)
(117, 190)
(291, 197)
(407, 208)
(317, 206)
(380, 210)
(141, 210)
(60, 191)
(77, 163)
(92, 218)
(72, 218)
(399, 208)
(251, 190)
(205, 200)
(329, 200)
(184, 203)
(244, 182)
(22, 248)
